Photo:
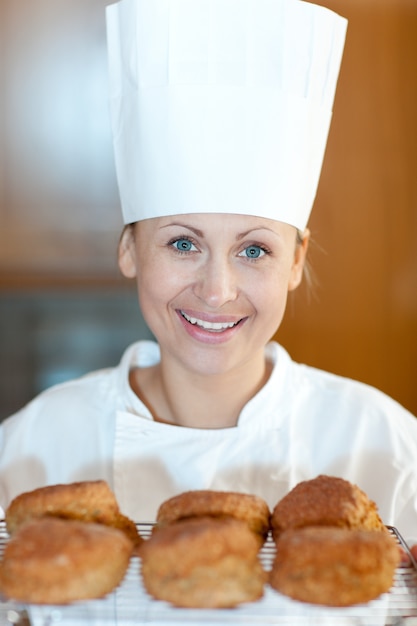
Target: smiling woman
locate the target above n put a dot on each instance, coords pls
(213, 292)
(220, 116)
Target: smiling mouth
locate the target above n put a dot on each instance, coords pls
(216, 327)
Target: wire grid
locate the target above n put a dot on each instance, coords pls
(130, 604)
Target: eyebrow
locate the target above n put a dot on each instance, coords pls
(200, 233)
(196, 231)
(248, 232)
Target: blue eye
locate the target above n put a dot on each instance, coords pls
(183, 245)
(253, 252)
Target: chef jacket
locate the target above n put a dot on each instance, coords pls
(302, 423)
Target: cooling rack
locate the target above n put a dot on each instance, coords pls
(129, 604)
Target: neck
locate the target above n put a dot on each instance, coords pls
(216, 401)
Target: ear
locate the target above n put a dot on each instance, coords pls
(299, 261)
(127, 252)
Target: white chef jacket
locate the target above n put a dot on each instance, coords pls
(302, 423)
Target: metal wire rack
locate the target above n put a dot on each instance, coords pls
(130, 604)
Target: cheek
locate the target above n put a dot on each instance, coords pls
(150, 304)
(268, 293)
(275, 303)
(276, 280)
(150, 289)
(157, 285)
(271, 293)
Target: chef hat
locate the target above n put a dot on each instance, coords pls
(221, 106)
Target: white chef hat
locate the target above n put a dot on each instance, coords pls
(221, 106)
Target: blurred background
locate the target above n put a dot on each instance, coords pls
(64, 308)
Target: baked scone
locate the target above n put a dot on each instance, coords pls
(54, 561)
(87, 501)
(248, 508)
(334, 566)
(203, 563)
(325, 501)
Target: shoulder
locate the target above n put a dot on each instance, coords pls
(336, 390)
(64, 434)
(333, 395)
(73, 401)
(93, 395)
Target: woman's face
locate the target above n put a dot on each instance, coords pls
(213, 288)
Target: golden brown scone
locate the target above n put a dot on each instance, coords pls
(325, 501)
(54, 561)
(127, 526)
(334, 566)
(88, 501)
(203, 563)
(248, 508)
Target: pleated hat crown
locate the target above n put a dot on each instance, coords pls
(221, 106)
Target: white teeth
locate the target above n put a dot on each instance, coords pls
(208, 325)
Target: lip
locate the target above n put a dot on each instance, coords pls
(207, 317)
(210, 336)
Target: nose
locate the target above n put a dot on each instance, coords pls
(216, 283)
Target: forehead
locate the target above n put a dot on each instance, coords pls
(206, 223)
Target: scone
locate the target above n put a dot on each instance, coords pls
(248, 508)
(203, 563)
(334, 566)
(54, 561)
(87, 501)
(325, 501)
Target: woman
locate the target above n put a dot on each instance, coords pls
(213, 292)
(220, 118)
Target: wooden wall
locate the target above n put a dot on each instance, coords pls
(361, 320)
(59, 216)
(59, 207)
